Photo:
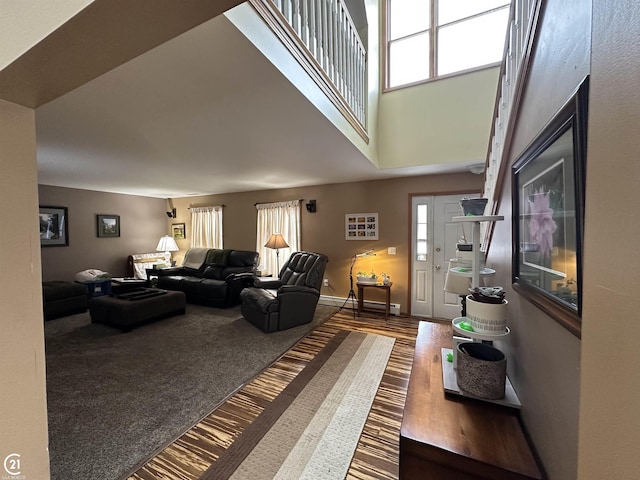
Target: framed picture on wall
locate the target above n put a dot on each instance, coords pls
(178, 230)
(54, 226)
(361, 226)
(548, 214)
(108, 225)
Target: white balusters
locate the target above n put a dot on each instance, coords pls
(327, 31)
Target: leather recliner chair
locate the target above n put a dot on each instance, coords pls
(290, 300)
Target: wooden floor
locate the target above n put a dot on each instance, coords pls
(376, 456)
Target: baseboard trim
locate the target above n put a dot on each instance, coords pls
(368, 304)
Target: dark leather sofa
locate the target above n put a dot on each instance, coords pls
(211, 276)
(291, 299)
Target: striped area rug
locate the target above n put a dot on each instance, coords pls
(311, 430)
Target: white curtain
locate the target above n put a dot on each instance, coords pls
(206, 227)
(280, 217)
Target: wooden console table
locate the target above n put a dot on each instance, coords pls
(387, 288)
(446, 437)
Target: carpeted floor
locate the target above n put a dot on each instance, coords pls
(114, 399)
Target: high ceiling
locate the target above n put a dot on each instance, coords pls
(203, 113)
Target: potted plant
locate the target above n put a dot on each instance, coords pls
(487, 310)
(367, 277)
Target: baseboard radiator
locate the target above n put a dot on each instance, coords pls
(368, 304)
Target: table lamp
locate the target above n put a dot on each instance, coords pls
(167, 244)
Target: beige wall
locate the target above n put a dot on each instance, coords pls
(323, 231)
(444, 121)
(142, 222)
(25, 23)
(23, 411)
(610, 387)
(543, 357)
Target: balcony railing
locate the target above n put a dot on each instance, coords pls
(326, 38)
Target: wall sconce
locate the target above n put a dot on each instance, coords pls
(311, 206)
(172, 213)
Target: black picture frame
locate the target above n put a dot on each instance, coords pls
(54, 226)
(108, 225)
(548, 183)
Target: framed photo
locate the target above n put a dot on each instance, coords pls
(179, 231)
(108, 225)
(54, 226)
(361, 226)
(548, 214)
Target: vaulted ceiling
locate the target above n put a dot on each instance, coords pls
(202, 113)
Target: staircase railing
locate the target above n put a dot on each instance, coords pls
(521, 34)
(324, 39)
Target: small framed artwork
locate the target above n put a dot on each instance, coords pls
(548, 215)
(361, 226)
(179, 231)
(108, 225)
(54, 227)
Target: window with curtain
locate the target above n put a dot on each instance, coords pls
(206, 227)
(431, 38)
(280, 217)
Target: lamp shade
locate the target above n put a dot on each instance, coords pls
(456, 283)
(167, 244)
(276, 240)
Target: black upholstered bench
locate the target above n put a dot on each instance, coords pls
(130, 310)
(60, 298)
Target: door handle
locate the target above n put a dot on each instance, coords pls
(438, 249)
(438, 267)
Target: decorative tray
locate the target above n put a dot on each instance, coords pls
(468, 272)
(480, 336)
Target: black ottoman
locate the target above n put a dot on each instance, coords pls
(61, 298)
(130, 310)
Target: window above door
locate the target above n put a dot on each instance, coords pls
(429, 39)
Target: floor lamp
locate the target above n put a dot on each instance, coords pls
(352, 293)
(276, 242)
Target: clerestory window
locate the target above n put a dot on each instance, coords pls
(426, 39)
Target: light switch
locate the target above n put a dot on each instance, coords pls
(391, 250)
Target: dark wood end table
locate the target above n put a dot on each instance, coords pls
(381, 286)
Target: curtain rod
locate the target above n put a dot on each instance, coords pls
(262, 203)
(207, 206)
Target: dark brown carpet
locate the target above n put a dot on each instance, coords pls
(114, 399)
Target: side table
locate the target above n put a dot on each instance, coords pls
(156, 272)
(386, 288)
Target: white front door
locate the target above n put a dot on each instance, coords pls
(434, 238)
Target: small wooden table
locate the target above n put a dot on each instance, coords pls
(456, 438)
(387, 288)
